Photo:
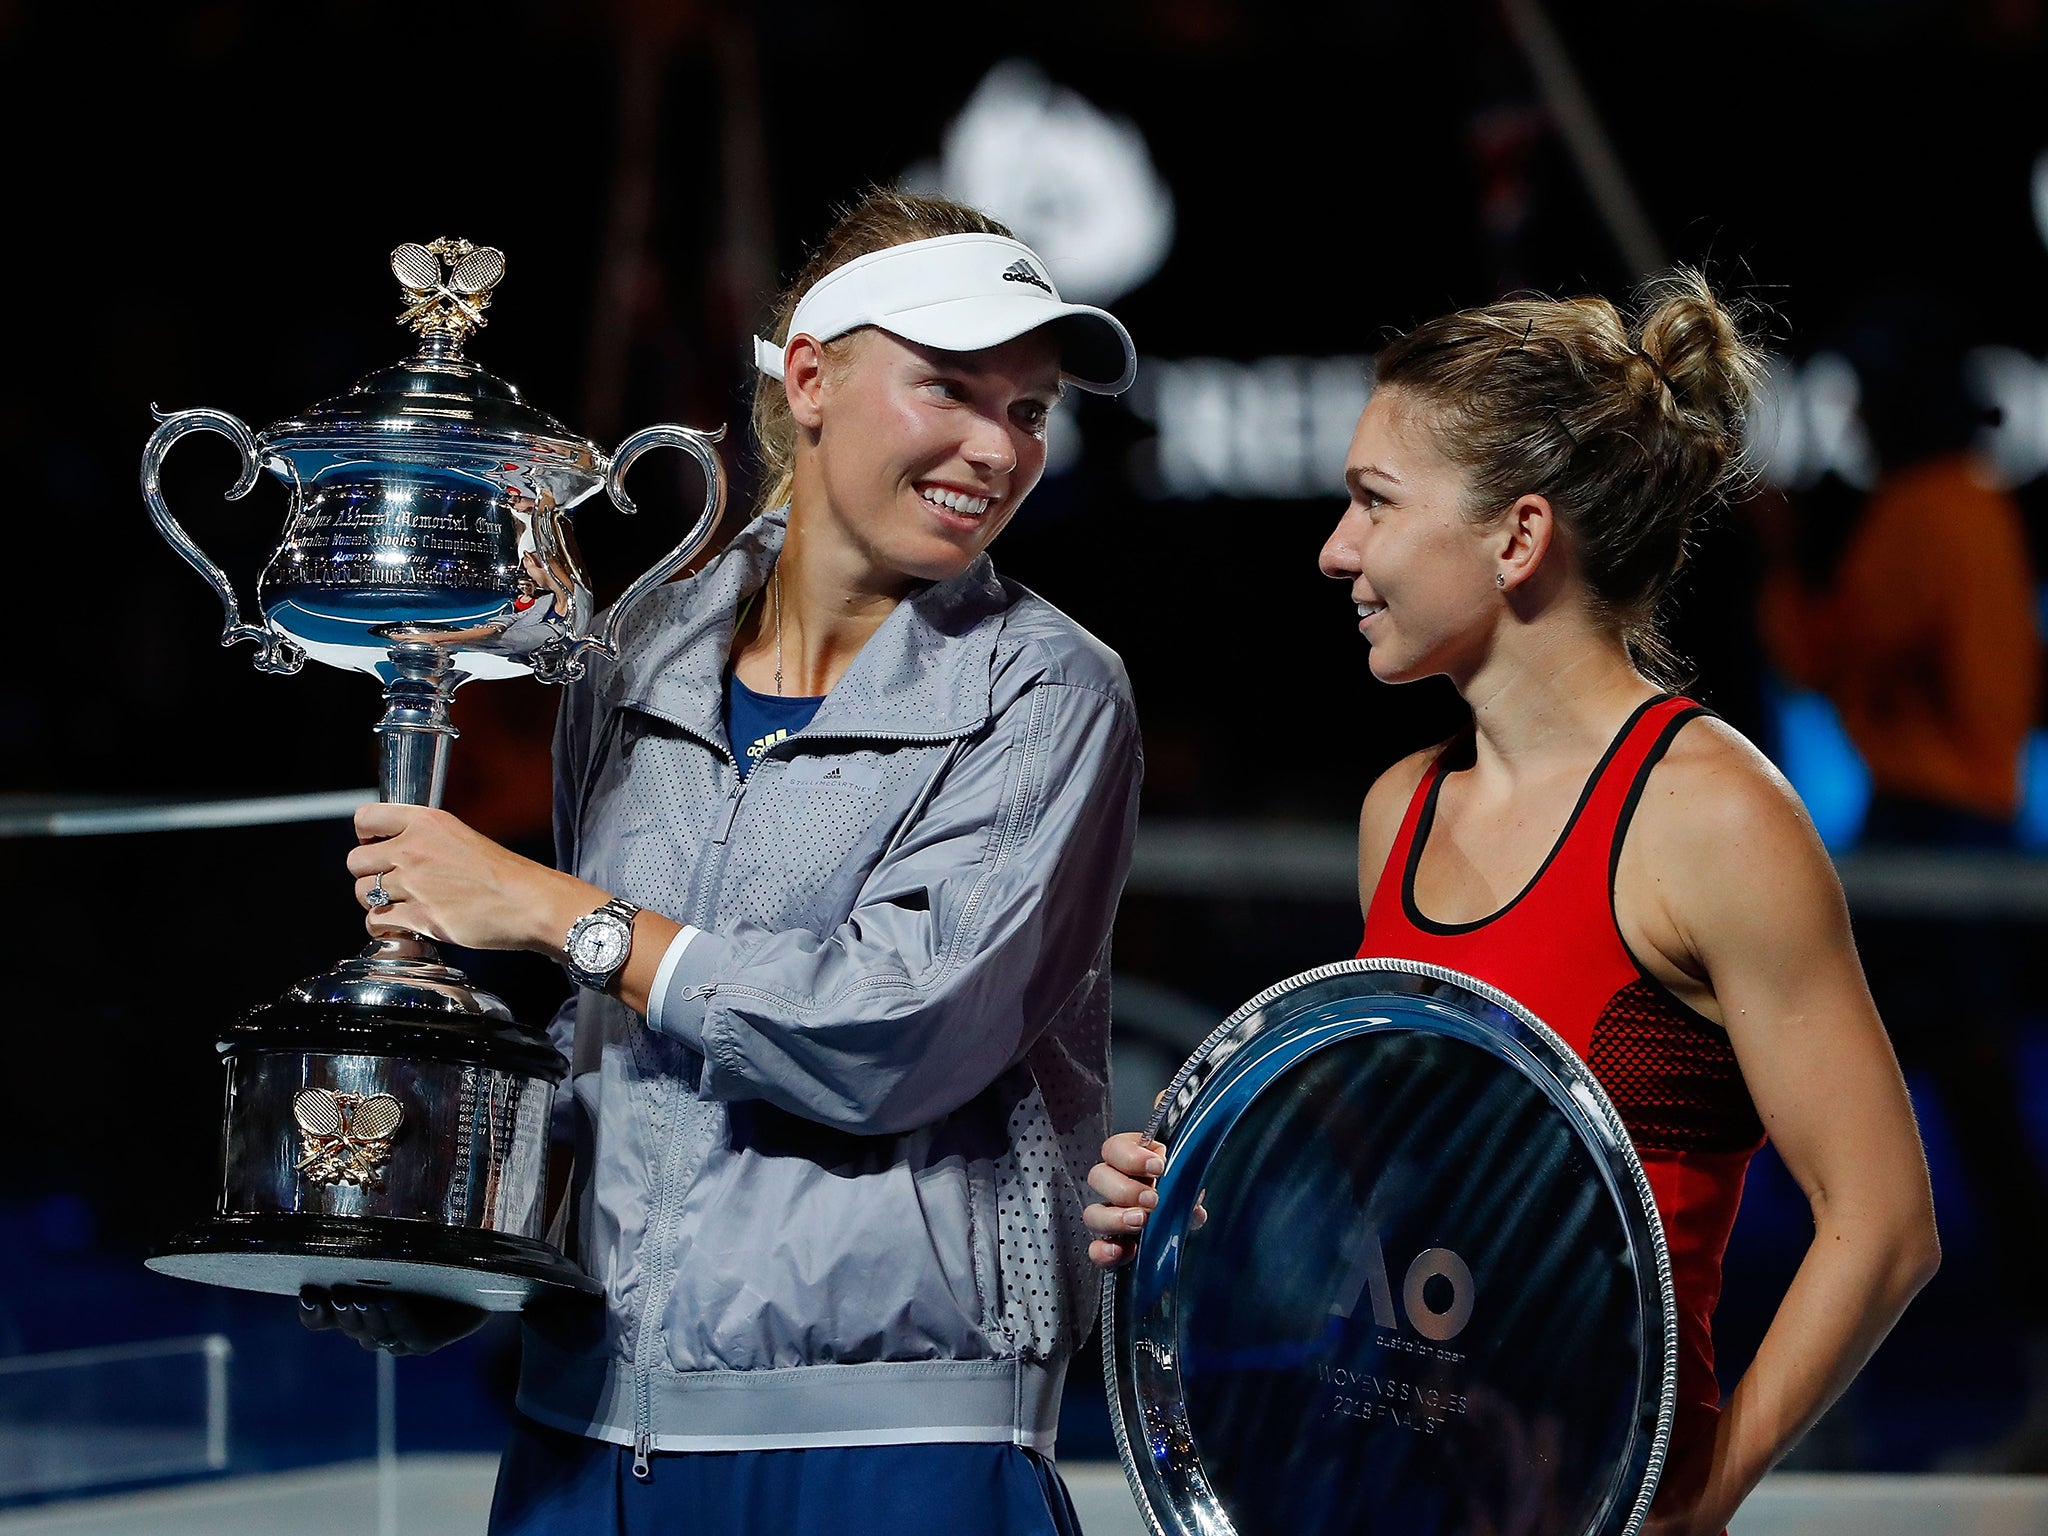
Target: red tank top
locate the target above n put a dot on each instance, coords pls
(1557, 949)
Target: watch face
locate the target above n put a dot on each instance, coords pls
(601, 945)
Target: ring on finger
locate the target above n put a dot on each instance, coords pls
(377, 896)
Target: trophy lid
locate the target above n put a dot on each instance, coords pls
(303, 1025)
(436, 399)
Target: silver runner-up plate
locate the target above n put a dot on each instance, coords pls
(1405, 1274)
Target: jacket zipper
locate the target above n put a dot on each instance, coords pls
(732, 811)
(662, 1242)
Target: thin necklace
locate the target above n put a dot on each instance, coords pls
(778, 629)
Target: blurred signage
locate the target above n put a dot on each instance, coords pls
(1805, 425)
(1078, 184)
(1075, 182)
(1274, 429)
(2014, 388)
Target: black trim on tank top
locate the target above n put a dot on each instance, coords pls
(1628, 813)
(1428, 820)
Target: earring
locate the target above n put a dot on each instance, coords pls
(1500, 580)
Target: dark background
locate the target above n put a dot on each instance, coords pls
(204, 198)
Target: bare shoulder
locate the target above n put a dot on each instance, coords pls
(1727, 842)
(1714, 785)
(1379, 821)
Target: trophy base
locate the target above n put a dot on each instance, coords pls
(282, 1254)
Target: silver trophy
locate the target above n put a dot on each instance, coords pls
(387, 1122)
(1405, 1273)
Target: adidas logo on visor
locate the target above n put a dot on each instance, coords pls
(1020, 271)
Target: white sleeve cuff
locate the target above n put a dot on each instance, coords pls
(670, 958)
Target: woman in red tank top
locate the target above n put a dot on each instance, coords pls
(1613, 857)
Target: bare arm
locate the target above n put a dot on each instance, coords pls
(1754, 904)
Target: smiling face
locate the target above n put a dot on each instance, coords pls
(1420, 570)
(918, 457)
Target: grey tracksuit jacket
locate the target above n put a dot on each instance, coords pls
(832, 1184)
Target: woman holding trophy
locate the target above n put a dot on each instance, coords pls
(840, 841)
(1521, 488)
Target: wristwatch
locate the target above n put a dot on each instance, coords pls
(599, 942)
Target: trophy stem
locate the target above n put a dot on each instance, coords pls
(414, 735)
(405, 970)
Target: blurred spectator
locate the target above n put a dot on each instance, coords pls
(1914, 613)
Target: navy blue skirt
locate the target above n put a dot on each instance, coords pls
(551, 1483)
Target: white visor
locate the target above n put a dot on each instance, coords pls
(961, 293)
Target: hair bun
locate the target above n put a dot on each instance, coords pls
(1697, 347)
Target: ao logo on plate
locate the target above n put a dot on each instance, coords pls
(1370, 1274)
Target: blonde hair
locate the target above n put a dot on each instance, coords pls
(881, 218)
(1629, 426)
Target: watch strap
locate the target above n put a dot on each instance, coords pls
(618, 906)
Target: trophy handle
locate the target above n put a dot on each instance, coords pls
(561, 661)
(275, 653)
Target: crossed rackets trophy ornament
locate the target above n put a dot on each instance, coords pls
(387, 1121)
